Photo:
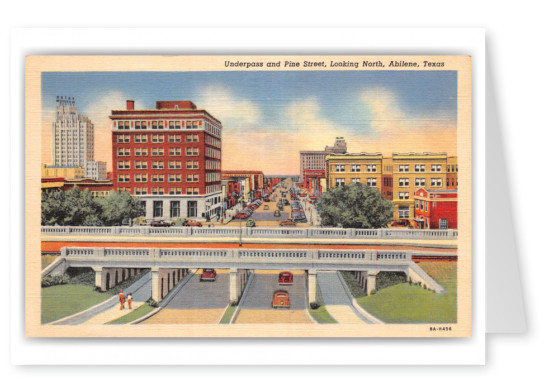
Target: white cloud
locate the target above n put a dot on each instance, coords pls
(223, 104)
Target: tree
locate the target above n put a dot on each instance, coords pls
(355, 206)
(118, 206)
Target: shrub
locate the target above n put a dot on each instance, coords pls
(54, 280)
(373, 291)
(152, 303)
(314, 305)
(233, 303)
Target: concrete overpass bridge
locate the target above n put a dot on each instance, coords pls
(169, 265)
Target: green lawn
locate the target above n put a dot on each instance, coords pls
(321, 315)
(63, 300)
(404, 303)
(47, 259)
(228, 314)
(136, 314)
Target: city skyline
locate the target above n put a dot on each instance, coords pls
(277, 113)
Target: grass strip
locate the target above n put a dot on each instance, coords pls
(228, 314)
(132, 316)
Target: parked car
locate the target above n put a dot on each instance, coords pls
(266, 207)
(139, 221)
(208, 275)
(287, 223)
(277, 213)
(401, 223)
(251, 223)
(286, 202)
(285, 278)
(281, 300)
(193, 223)
(160, 223)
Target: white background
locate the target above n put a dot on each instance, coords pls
(516, 38)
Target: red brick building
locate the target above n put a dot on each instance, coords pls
(312, 181)
(435, 209)
(170, 157)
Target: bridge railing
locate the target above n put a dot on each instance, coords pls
(192, 254)
(258, 232)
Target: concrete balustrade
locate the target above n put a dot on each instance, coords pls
(257, 232)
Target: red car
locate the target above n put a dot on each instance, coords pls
(287, 223)
(193, 223)
(401, 223)
(281, 300)
(241, 216)
(285, 278)
(208, 275)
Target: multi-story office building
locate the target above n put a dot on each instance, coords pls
(72, 136)
(315, 160)
(170, 157)
(412, 171)
(96, 170)
(363, 168)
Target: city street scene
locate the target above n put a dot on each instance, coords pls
(233, 198)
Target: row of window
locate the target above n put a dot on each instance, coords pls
(212, 177)
(157, 138)
(176, 151)
(157, 178)
(420, 168)
(211, 152)
(370, 182)
(212, 188)
(355, 168)
(212, 165)
(158, 165)
(423, 205)
(402, 182)
(162, 190)
(174, 209)
(215, 142)
(155, 125)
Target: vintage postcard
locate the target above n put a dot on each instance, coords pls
(248, 196)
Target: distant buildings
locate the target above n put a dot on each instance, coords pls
(73, 140)
(74, 172)
(315, 160)
(170, 157)
(396, 177)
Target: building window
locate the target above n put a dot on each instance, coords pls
(436, 168)
(339, 182)
(174, 138)
(403, 212)
(157, 190)
(174, 151)
(192, 165)
(157, 178)
(403, 182)
(403, 195)
(157, 151)
(175, 191)
(174, 165)
(171, 124)
(371, 168)
(192, 178)
(157, 138)
(157, 208)
(192, 209)
(123, 178)
(160, 165)
(403, 168)
(140, 178)
(174, 208)
(443, 224)
(140, 190)
(192, 138)
(339, 168)
(420, 182)
(416, 204)
(177, 124)
(192, 191)
(140, 138)
(419, 168)
(371, 182)
(140, 125)
(123, 165)
(123, 151)
(355, 168)
(355, 180)
(176, 178)
(436, 182)
(123, 138)
(140, 165)
(140, 151)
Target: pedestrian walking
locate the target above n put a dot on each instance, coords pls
(121, 299)
(129, 300)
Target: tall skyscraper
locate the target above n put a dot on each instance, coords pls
(72, 135)
(315, 160)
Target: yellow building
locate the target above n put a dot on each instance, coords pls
(344, 169)
(412, 171)
(451, 177)
(67, 172)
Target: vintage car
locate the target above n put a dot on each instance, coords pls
(193, 223)
(281, 300)
(160, 223)
(250, 223)
(266, 207)
(287, 223)
(285, 278)
(208, 275)
(401, 223)
(277, 213)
